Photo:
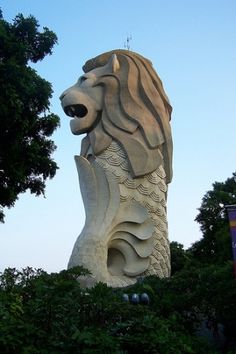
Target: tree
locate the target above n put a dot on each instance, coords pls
(26, 122)
(51, 313)
(179, 257)
(215, 245)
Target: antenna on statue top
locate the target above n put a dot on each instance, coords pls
(127, 42)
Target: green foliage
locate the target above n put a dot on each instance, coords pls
(179, 257)
(215, 245)
(26, 122)
(51, 313)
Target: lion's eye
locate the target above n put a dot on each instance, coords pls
(82, 79)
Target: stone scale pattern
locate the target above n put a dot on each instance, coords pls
(150, 191)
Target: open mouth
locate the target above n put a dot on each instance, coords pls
(76, 110)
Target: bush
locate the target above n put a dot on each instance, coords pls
(51, 313)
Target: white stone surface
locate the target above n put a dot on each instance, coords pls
(124, 168)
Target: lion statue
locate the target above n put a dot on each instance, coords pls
(124, 168)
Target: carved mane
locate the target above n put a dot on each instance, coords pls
(136, 113)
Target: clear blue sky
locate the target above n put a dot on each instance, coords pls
(192, 45)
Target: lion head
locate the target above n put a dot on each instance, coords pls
(120, 97)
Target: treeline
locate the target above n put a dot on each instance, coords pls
(51, 313)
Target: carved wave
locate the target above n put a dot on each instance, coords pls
(122, 227)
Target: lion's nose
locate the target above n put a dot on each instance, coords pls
(62, 96)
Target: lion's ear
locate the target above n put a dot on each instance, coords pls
(113, 63)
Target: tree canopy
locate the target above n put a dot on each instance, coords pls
(179, 257)
(215, 245)
(51, 313)
(26, 121)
